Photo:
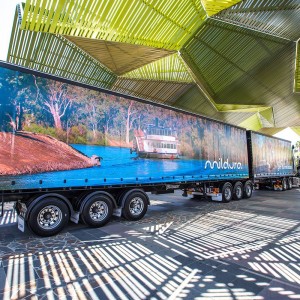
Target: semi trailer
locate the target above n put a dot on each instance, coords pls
(70, 151)
(271, 161)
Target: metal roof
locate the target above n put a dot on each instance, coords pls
(236, 61)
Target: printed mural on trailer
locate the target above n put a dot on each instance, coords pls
(270, 155)
(80, 116)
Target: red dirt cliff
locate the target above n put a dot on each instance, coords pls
(29, 153)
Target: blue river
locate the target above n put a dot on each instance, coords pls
(120, 167)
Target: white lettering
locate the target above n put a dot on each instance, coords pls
(222, 165)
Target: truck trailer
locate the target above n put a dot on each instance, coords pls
(70, 151)
(271, 162)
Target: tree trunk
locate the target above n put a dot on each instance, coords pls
(94, 131)
(128, 122)
(57, 120)
(21, 114)
(57, 103)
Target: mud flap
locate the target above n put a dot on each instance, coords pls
(216, 197)
(117, 212)
(21, 223)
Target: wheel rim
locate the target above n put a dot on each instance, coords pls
(248, 190)
(227, 193)
(98, 211)
(49, 217)
(239, 192)
(136, 206)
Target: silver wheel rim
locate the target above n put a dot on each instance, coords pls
(49, 217)
(238, 192)
(136, 206)
(248, 190)
(227, 193)
(98, 211)
(284, 184)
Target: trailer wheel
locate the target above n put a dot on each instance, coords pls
(48, 217)
(226, 192)
(290, 183)
(97, 211)
(248, 188)
(284, 184)
(238, 191)
(135, 205)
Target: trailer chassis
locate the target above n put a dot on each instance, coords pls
(47, 211)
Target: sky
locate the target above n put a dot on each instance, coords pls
(288, 134)
(7, 12)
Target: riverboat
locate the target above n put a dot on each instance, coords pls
(156, 142)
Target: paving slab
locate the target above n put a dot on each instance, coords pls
(182, 249)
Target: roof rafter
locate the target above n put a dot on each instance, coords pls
(169, 68)
(54, 54)
(213, 7)
(239, 54)
(276, 17)
(119, 21)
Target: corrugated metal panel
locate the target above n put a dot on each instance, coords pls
(265, 84)
(236, 108)
(297, 70)
(241, 107)
(55, 55)
(212, 7)
(267, 117)
(170, 68)
(238, 68)
(159, 91)
(222, 53)
(236, 118)
(287, 112)
(119, 57)
(272, 85)
(270, 131)
(195, 101)
(276, 17)
(164, 24)
(296, 129)
(252, 123)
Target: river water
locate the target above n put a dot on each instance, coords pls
(120, 167)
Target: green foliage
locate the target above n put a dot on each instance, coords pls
(76, 115)
(74, 135)
(41, 129)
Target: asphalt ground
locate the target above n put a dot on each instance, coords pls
(182, 249)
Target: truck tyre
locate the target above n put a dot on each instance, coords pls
(290, 183)
(238, 191)
(97, 211)
(248, 188)
(135, 205)
(226, 192)
(284, 184)
(48, 217)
